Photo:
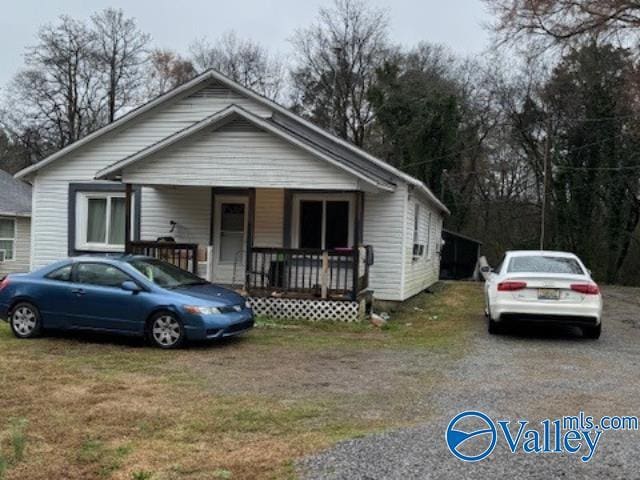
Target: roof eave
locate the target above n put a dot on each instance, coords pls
(15, 214)
(115, 169)
(206, 76)
(390, 168)
(443, 208)
(213, 75)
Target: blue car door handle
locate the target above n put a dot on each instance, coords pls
(78, 291)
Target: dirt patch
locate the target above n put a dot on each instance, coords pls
(100, 407)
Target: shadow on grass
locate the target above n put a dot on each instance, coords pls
(112, 339)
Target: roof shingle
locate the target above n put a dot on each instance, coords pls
(15, 196)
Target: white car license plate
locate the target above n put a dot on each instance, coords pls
(548, 294)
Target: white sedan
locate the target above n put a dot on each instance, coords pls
(545, 287)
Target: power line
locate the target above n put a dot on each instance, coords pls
(622, 168)
(569, 151)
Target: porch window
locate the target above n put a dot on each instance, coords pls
(7, 238)
(324, 223)
(101, 221)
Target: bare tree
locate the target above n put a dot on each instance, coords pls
(548, 22)
(166, 71)
(242, 60)
(120, 54)
(337, 58)
(56, 98)
(13, 157)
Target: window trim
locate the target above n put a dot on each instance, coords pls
(428, 242)
(76, 189)
(82, 217)
(324, 198)
(13, 240)
(418, 247)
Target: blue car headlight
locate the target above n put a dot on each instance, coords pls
(198, 310)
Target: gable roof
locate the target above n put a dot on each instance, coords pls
(286, 119)
(223, 117)
(15, 196)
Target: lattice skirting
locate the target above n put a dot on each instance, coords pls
(309, 309)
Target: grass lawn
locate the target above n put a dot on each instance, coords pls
(95, 407)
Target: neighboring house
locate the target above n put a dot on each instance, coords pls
(15, 225)
(245, 193)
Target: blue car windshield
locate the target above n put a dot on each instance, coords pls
(164, 274)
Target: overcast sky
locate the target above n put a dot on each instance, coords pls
(175, 23)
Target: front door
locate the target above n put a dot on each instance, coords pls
(230, 238)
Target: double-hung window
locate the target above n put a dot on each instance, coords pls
(429, 246)
(418, 246)
(101, 221)
(7, 238)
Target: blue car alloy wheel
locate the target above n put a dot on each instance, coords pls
(166, 331)
(25, 320)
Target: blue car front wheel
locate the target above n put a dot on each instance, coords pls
(166, 330)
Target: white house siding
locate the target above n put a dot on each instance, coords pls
(22, 249)
(51, 184)
(269, 217)
(238, 155)
(189, 207)
(421, 272)
(383, 229)
(48, 220)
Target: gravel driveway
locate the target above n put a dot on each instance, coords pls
(525, 374)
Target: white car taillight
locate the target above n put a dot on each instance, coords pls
(586, 288)
(510, 286)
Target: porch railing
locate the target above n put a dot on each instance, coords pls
(182, 255)
(340, 273)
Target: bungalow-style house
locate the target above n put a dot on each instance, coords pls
(15, 225)
(217, 179)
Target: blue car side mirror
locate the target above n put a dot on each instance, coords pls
(130, 286)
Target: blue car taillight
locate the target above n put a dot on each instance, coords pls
(4, 282)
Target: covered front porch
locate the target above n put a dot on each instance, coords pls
(281, 247)
(256, 204)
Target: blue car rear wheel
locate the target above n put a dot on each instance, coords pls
(25, 320)
(166, 330)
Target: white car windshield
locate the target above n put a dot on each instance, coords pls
(544, 264)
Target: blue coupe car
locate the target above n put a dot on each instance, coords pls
(129, 295)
